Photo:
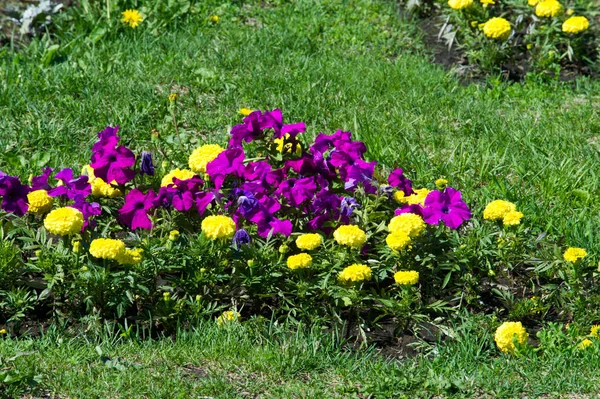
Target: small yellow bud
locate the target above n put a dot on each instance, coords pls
(76, 246)
(251, 262)
(172, 97)
(84, 268)
(173, 235)
(198, 298)
(570, 11)
(283, 249)
(38, 253)
(203, 270)
(441, 183)
(3, 331)
(214, 19)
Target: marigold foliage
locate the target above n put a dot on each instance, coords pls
(64, 221)
(350, 235)
(308, 242)
(497, 28)
(496, 210)
(39, 202)
(575, 25)
(408, 277)
(574, 254)
(355, 273)
(300, 261)
(408, 223)
(460, 4)
(505, 333)
(218, 226)
(132, 18)
(548, 8)
(397, 241)
(107, 248)
(201, 156)
(181, 174)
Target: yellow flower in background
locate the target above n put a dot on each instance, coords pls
(131, 257)
(406, 277)
(512, 218)
(214, 19)
(497, 28)
(410, 224)
(505, 334)
(308, 242)
(282, 146)
(132, 18)
(350, 235)
(595, 331)
(585, 344)
(570, 12)
(229, 316)
(39, 202)
(245, 111)
(181, 174)
(300, 261)
(202, 156)
(417, 198)
(496, 210)
(548, 8)
(442, 183)
(533, 3)
(172, 97)
(575, 25)
(397, 241)
(355, 273)
(218, 226)
(574, 254)
(3, 331)
(107, 248)
(460, 4)
(64, 221)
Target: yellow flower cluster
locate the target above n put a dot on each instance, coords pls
(355, 273)
(460, 4)
(595, 331)
(300, 261)
(181, 174)
(229, 316)
(131, 256)
(202, 156)
(132, 18)
(245, 111)
(585, 344)
(284, 146)
(573, 255)
(308, 242)
(505, 334)
(575, 25)
(410, 224)
(64, 221)
(408, 277)
(39, 202)
(350, 235)
(218, 226)
(497, 28)
(107, 248)
(417, 198)
(503, 210)
(548, 8)
(397, 241)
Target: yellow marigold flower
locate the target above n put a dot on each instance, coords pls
(417, 198)
(585, 344)
(132, 18)
(39, 202)
(505, 333)
(575, 25)
(442, 183)
(497, 28)
(214, 19)
(512, 218)
(88, 171)
(350, 235)
(355, 273)
(107, 248)
(496, 210)
(218, 226)
(174, 235)
(101, 189)
(300, 261)
(533, 3)
(228, 317)
(245, 111)
(131, 256)
(64, 221)
(397, 241)
(460, 4)
(574, 254)
(408, 223)
(308, 242)
(282, 146)
(181, 174)
(408, 277)
(595, 331)
(202, 156)
(548, 8)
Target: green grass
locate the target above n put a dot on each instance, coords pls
(270, 362)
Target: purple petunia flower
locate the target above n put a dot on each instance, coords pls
(71, 187)
(147, 167)
(88, 209)
(229, 162)
(41, 182)
(246, 202)
(446, 206)
(203, 200)
(348, 205)
(240, 238)
(134, 213)
(14, 195)
(297, 191)
(417, 209)
(254, 125)
(401, 182)
(106, 139)
(114, 164)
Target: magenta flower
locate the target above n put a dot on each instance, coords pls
(114, 164)
(417, 209)
(14, 195)
(401, 182)
(254, 125)
(106, 139)
(229, 162)
(71, 187)
(446, 206)
(88, 209)
(203, 200)
(181, 195)
(41, 182)
(134, 213)
(297, 191)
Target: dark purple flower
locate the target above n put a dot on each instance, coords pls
(401, 182)
(246, 202)
(292, 129)
(297, 191)
(240, 238)
(348, 205)
(114, 164)
(360, 172)
(254, 125)
(417, 209)
(88, 209)
(41, 182)
(134, 212)
(14, 195)
(446, 206)
(229, 162)
(106, 139)
(71, 187)
(324, 142)
(147, 167)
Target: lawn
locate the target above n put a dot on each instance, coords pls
(354, 65)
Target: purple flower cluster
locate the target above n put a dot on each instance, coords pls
(110, 161)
